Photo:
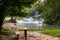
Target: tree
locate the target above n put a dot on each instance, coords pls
(2, 10)
(6, 4)
(52, 13)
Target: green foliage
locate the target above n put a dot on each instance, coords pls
(13, 7)
(39, 6)
(52, 13)
(6, 31)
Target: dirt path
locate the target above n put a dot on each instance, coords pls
(37, 36)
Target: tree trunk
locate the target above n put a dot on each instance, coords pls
(2, 8)
(13, 19)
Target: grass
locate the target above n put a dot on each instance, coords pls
(52, 30)
(6, 31)
(30, 29)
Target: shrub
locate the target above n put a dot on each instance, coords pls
(6, 31)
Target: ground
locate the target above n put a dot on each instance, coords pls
(31, 35)
(37, 36)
